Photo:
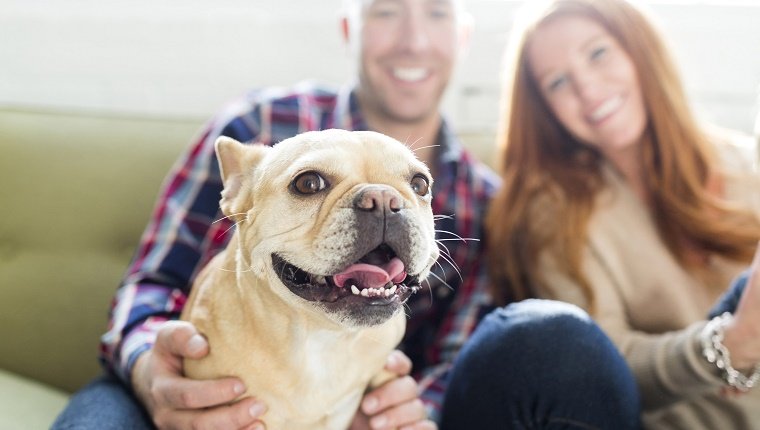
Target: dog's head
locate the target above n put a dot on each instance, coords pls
(339, 222)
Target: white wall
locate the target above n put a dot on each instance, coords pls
(185, 58)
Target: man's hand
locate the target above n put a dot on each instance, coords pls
(395, 404)
(176, 402)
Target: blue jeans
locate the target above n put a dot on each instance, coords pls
(533, 365)
(540, 364)
(103, 404)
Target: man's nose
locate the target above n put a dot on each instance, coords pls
(415, 35)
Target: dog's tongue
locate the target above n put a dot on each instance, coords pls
(371, 276)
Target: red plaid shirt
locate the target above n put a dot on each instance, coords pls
(182, 235)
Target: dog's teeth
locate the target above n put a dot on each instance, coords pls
(355, 290)
(321, 280)
(388, 293)
(365, 293)
(392, 289)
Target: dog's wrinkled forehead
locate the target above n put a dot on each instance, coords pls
(373, 155)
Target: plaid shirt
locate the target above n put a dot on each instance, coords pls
(184, 234)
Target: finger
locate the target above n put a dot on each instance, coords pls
(395, 392)
(183, 393)
(180, 338)
(239, 415)
(398, 363)
(407, 413)
(422, 425)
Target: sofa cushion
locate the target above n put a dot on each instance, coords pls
(26, 404)
(75, 194)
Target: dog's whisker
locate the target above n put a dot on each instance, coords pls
(228, 217)
(424, 147)
(411, 145)
(443, 282)
(443, 248)
(458, 237)
(231, 227)
(453, 264)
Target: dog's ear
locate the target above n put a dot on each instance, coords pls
(236, 162)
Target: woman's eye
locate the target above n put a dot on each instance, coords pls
(420, 185)
(308, 183)
(556, 83)
(598, 53)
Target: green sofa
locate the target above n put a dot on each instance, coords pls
(76, 191)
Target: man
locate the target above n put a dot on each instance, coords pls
(407, 50)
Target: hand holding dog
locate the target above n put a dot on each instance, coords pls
(176, 402)
(394, 404)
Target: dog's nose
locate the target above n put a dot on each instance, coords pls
(379, 199)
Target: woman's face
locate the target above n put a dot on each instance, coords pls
(589, 82)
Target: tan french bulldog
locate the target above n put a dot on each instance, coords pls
(334, 232)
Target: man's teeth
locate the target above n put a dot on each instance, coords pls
(606, 108)
(410, 74)
(373, 292)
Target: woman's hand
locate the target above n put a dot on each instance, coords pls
(395, 404)
(176, 402)
(742, 334)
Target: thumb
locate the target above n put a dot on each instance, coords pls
(180, 339)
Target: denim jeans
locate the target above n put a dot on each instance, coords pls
(103, 404)
(540, 364)
(536, 364)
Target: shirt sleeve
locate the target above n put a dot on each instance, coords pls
(186, 230)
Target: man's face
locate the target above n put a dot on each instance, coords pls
(408, 49)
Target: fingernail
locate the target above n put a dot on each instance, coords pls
(257, 410)
(392, 359)
(258, 426)
(370, 404)
(378, 422)
(238, 388)
(196, 344)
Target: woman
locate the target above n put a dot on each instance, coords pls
(617, 200)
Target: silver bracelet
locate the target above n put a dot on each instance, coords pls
(715, 352)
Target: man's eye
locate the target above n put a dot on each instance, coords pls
(385, 11)
(440, 12)
(308, 183)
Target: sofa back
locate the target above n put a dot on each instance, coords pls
(76, 192)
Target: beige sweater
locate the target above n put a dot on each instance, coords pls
(654, 310)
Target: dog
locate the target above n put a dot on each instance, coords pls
(334, 232)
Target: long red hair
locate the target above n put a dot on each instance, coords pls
(540, 162)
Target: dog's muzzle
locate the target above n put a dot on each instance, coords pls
(376, 279)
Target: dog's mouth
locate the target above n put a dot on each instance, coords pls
(378, 278)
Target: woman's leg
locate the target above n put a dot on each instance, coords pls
(540, 364)
(730, 299)
(104, 404)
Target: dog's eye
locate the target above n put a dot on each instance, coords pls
(308, 183)
(420, 185)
